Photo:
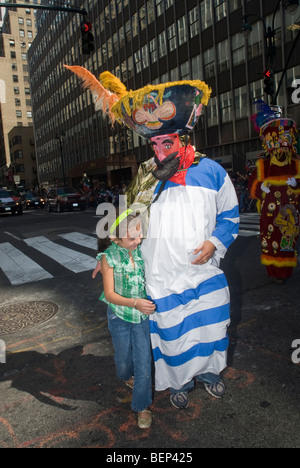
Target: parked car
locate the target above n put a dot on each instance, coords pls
(64, 198)
(32, 201)
(15, 195)
(8, 205)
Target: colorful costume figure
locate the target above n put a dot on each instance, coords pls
(193, 201)
(276, 185)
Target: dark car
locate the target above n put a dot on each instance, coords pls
(15, 195)
(65, 198)
(8, 205)
(32, 201)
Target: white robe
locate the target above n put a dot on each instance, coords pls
(189, 327)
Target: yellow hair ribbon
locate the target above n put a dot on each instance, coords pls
(120, 219)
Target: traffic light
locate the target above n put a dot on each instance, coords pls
(269, 82)
(87, 38)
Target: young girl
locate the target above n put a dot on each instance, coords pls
(122, 269)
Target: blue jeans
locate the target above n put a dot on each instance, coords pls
(132, 348)
(208, 378)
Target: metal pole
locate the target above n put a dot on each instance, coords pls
(62, 161)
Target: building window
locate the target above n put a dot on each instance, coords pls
(17, 102)
(194, 22)
(16, 90)
(22, 33)
(255, 41)
(223, 56)
(19, 114)
(15, 79)
(137, 61)
(238, 49)
(241, 102)
(162, 45)
(171, 35)
(11, 42)
(206, 14)
(153, 51)
(225, 107)
(220, 9)
(209, 62)
(182, 36)
(212, 112)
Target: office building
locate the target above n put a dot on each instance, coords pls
(18, 29)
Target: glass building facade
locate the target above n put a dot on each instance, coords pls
(149, 42)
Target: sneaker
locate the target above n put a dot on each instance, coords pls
(217, 390)
(144, 419)
(180, 400)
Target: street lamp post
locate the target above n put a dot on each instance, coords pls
(59, 138)
(270, 47)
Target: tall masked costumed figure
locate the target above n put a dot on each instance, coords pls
(193, 220)
(276, 185)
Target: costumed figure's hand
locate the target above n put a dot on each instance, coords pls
(145, 306)
(97, 269)
(265, 187)
(292, 182)
(207, 249)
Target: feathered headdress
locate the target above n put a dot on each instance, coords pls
(263, 115)
(104, 95)
(154, 110)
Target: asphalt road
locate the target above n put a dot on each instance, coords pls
(58, 385)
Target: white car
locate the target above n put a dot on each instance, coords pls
(8, 205)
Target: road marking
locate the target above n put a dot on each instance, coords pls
(81, 239)
(249, 225)
(18, 267)
(68, 258)
(12, 235)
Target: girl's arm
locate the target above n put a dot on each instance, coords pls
(143, 305)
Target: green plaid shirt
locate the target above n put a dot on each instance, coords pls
(128, 280)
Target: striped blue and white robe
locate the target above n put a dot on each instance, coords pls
(189, 327)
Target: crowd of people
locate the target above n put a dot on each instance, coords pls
(102, 193)
(240, 182)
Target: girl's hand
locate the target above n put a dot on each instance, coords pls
(145, 306)
(97, 269)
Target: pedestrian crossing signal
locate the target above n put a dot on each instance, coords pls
(269, 82)
(87, 38)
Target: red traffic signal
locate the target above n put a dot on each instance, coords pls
(269, 82)
(87, 37)
(86, 27)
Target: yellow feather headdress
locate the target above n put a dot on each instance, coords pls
(172, 107)
(104, 99)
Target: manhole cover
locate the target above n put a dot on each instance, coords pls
(19, 316)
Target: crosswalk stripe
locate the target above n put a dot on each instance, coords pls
(18, 267)
(249, 225)
(81, 239)
(70, 259)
